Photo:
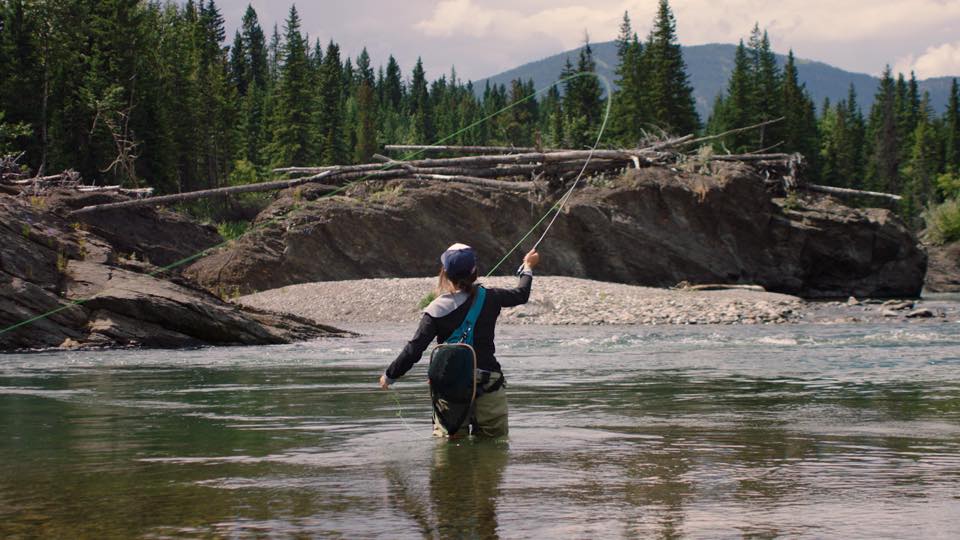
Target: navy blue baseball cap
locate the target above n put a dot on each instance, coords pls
(459, 261)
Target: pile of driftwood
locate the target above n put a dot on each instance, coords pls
(13, 174)
(516, 169)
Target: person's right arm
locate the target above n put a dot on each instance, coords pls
(520, 295)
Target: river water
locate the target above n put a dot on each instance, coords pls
(701, 432)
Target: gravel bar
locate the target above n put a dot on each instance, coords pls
(554, 301)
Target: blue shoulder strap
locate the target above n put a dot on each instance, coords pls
(464, 334)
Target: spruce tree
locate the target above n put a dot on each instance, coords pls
(582, 101)
(419, 107)
(257, 62)
(22, 66)
(393, 91)
(292, 143)
(850, 164)
(735, 110)
(767, 100)
(669, 94)
(952, 130)
(629, 113)
(798, 131)
(921, 170)
(330, 113)
(884, 160)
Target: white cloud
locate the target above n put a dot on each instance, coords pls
(507, 24)
(939, 61)
(483, 37)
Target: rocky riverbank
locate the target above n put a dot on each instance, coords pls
(654, 226)
(572, 301)
(96, 281)
(943, 272)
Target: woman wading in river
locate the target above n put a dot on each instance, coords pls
(465, 313)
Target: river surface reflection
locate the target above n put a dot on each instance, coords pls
(704, 432)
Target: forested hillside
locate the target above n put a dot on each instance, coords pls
(148, 93)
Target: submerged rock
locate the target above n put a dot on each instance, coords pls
(652, 227)
(63, 285)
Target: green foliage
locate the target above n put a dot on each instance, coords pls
(243, 173)
(9, 133)
(582, 101)
(426, 300)
(231, 230)
(758, 92)
(329, 111)
(668, 92)
(386, 195)
(943, 223)
(293, 141)
(949, 185)
(150, 92)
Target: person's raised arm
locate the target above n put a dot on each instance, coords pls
(520, 295)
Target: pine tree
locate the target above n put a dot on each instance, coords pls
(629, 111)
(829, 129)
(520, 124)
(884, 161)
(952, 128)
(393, 85)
(669, 94)
(736, 109)
(257, 62)
(22, 65)
(850, 166)
(419, 107)
(766, 101)
(330, 113)
(582, 100)
(256, 73)
(292, 134)
(921, 170)
(798, 131)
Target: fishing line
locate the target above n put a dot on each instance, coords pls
(558, 206)
(396, 399)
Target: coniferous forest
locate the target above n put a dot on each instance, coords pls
(154, 94)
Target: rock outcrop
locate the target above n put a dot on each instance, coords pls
(943, 274)
(653, 226)
(64, 283)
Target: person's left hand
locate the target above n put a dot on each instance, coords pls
(384, 383)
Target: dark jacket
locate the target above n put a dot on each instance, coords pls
(442, 327)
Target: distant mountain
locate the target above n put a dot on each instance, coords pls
(710, 66)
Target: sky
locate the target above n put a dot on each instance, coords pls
(485, 37)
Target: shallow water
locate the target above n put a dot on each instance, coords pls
(701, 432)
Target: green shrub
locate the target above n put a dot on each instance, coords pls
(231, 230)
(943, 223)
(425, 301)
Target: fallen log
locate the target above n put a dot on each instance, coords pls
(723, 287)
(423, 149)
(847, 192)
(481, 161)
(193, 195)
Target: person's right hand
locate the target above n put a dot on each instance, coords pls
(531, 259)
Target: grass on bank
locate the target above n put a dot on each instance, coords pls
(943, 223)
